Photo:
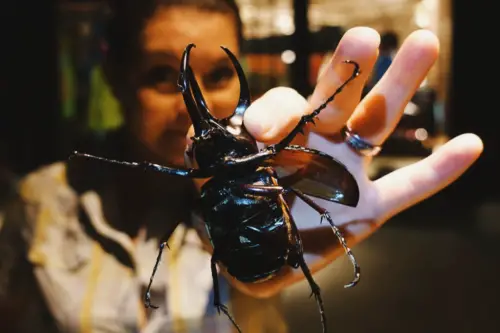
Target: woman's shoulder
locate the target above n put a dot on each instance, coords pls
(33, 233)
(46, 183)
(47, 189)
(64, 179)
(43, 198)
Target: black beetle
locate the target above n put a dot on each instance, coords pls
(246, 216)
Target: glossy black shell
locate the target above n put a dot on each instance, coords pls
(251, 232)
(246, 216)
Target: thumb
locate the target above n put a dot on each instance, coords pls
(271, 117)
(189, 135)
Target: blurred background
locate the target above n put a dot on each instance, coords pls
(433, 268)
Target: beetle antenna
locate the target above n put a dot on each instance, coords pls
(188, 87)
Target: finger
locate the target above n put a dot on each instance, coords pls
(409, 185)
(360, 45)
(189, 135)
(271, 117)
(198, 182)
(378, 114)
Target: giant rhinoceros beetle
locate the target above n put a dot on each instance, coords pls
(247, 218)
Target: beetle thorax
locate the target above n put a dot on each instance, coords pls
(210, 149)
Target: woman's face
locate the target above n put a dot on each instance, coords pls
(160, 120)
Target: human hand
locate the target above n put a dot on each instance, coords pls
(374, 118)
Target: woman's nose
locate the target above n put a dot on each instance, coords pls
(205, 95)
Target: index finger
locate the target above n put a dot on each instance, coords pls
(281, 114)
(359, 45)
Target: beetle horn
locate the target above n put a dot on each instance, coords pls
(198, 96)
(244, 101)
(196, 106)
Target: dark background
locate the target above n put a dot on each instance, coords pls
(433, 268)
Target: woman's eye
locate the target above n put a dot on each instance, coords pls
(218, 78)
(164, 79)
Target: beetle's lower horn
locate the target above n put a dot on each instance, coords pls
(193, 98)
(198, 96)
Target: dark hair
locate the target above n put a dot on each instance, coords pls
(129, 17)
(389, 41)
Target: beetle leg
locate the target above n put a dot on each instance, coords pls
(315, 290)
(147, 298)
(299, 256)
(265, 190)
(299, 128)
(147, 166)
(217, 302)
(309, 118)
(325, 215)
(259, 157)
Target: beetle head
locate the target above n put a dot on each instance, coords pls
(214, 138)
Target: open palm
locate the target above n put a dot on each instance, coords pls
(374, 118)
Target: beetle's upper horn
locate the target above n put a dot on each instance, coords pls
(191, 92)
(244, 101)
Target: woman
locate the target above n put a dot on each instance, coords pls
(79, 244)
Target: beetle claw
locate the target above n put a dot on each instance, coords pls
(147, 302)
